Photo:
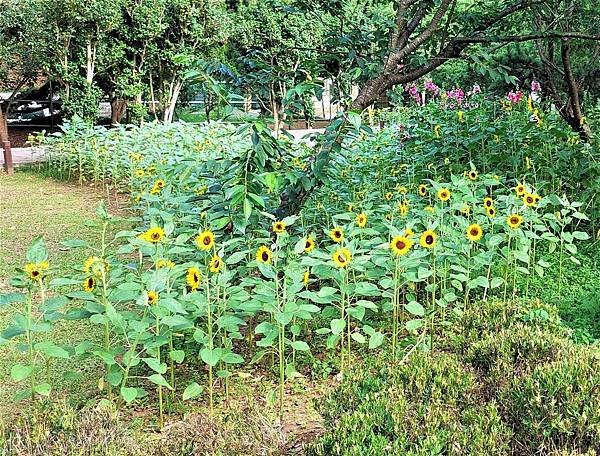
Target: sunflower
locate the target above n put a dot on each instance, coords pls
(36, 271)
(139, 173)
(361, 220)
(514, 221)
(89, 284)
(403, 208)
(472, 175)
(152, 297)
(529, 200)
(520, 189)
(400, 245)
(153, 235)
(401, 189)
(443, 194)
(216, 264)
(341, 257)
(491, 211)
(428, 239)
(350, 207)
(278, 227)
(305, 278)
(95, 265)
(336, 234)
(474, 232)
(389, 196)
(193, 278)
(408, 232)
(264, 254)
(159, 183)
(488, 202)
(423, 190)
(205, 240)
(162, 263)
(309, 245)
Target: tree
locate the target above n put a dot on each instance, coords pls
(23, 57)
(423, 36)
(277, 46)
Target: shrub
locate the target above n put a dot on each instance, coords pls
(507, 380)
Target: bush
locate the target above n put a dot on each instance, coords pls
(506, 380)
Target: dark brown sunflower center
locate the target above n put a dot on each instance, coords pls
(488, 203)
(308, 244)
(341, 258)
(514, 220)
(35, 273)
(155, 236)
(337, 234)
(529, 199)
(400, 245)
(206, 240)
(474, 231)
(265, 256)
(429, 239)
(90, 282)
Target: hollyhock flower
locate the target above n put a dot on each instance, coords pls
(514, 97)
(432, 87)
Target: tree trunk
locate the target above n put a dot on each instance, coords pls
(572, 112)
(3, 122)
(118, 107)
(174, 91)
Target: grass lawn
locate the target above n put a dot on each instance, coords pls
(32, 205)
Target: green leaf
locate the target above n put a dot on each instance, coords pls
(37, 251)
(159, 380)
(375, 340)
(20, 372)
(52, 350)
(128, 393)
(155, 365)
(232, 358)
(43, 389)
(192, 390)
(300, 346)
(358, 337)
(210, 357)
(415, 308)
(247, 209)
(337, 325)
(413, 325)
(177, 355)
(11, 298)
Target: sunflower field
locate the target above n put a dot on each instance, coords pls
(414, 226)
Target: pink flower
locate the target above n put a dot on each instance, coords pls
(456, 94)
(536, 86)
(430, 86)
(514, 97)
(413, 90)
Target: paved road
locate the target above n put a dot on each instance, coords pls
(23, 155)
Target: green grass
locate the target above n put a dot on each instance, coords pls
(578, 296)
(32, 206)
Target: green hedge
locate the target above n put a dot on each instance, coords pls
(506, 380)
